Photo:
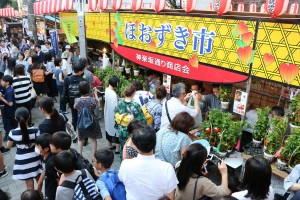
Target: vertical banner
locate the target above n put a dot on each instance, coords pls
(240, 101)
(167, 82)
(69, 29)
(54, 41)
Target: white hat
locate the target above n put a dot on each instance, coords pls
(68, 47)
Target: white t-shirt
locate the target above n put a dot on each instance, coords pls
(147, 178)
(142, 97)
(175, 106)
(241, 195)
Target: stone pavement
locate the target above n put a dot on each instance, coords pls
(15, 188)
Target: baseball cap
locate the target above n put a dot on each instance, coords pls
(68, 47)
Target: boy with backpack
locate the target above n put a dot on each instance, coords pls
(49, 173)
(108, 182)
(73, 184)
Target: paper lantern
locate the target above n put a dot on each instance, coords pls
(221, 6)
(211, 7)
(69, 5)
(92, 5)
(263, 8)
(294, 8)
(276, 7)
(60, 5)
(103, 4)
(159, 5)
(1, 12)
(252, 8)
(52, 6)
(241, 7)
(146, 5)
(116, 4)
(188, 5)
(136, 5)
(230, 8)
(48, 6)
(44, 7)
(34, 8)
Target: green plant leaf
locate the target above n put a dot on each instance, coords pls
(235, 32)
(240, 43)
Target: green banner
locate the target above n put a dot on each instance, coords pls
(68, 26)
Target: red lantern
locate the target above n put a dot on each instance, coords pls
(35, 8)
(263, 8)
(59, 5)
(69, 4)
(116, 4)
(211, 7)
(48, 3)
(276, 7)
(241, 7)
(1, 12)
(294, 8)
(188, 5)
(136, 5)
(159, 5)
(252, 8)
(52, 6)
(92, 5)
(44, 11)
(103, 4)
(221, 6)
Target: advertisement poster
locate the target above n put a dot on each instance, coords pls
(240, 101)
(54, 42)
(69, 29)
(167, 82)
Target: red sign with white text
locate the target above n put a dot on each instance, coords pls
(178, 67)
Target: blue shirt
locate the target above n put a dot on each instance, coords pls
(25, 63)
(57, 72)
(9, 96)
(104, 192)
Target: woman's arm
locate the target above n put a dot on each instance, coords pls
(60, 77)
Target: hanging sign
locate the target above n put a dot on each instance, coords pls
(167, 82)
(69, 29)
(54, 40)
(240, 102)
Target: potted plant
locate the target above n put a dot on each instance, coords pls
(136, 70)
(121, 68)
(127, 69)
(225, 96)
(294, 117)
(117, 59)
(261, 126)
(274, 139)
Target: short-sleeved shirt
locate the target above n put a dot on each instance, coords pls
(154, 107)
(57, 72)
(25, 63)
(50, 177)
(50, 67)
(142, 97)
(168, 145)
(9, 96)
(50, 126)
(213, 100)
(88, 76)
(291, 179)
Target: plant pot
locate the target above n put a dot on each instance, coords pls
(256, 143)
(136, 72)
(229, 150)
(293, 126)
(121, 69)
(127, 70)
(214, 149)
(224, 105)
(280, 164)
(222, 154)
(268, 157)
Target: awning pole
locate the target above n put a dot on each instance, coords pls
(248, 87)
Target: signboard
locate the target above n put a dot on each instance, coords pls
(167, 82)
(54, 41)
(68, 26)
(240, 102)
(70, 17)
(97, 26)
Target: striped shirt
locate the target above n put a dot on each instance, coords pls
(22, 87)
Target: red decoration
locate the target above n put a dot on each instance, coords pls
(221, 6)
(276, 7)
(1, 12)
(159, 5)
(241, 7)
(294, 8)
(59, 5)
(253, 8)
(136, 5)
(103, 4)
(288, 72)
(44, 7)
(268, 59)
(211, 7)
(69, 5)
(188, 5)
(35, 8)
(52, 6)
(92, 5)
(48, 6)
(116, 4)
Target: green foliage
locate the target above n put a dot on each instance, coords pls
(274, 139)
(295, 109)
(291, 148)
(262, 124)
(226, 93)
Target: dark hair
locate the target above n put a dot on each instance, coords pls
(19, 70)
(84, 88)
(160, 92)
(32, 195)
(22, 54)
(113, 81)
(91, 69)
(48, 57)
(216, 86)
(65, 161)
(48, 43)
(83, 61)
(105, 157)
(35, 61)
(191, 164)
(47, 105)
(137, 85)
(22, 116)
(57, 61)
(78, 67)
(278, 110)
(4, 195)
(43, 140)
(8, 78)
(11, 64)
(199, 85)
(32, 41)
(129, 90)
(134, 124)
(144, 139)
(182, 122)
(24, 39)
(14, 41)
(225, 198)
(61, 140)
(38, 46)
(257, 172)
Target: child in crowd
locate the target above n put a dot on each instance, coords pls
(60, 141)
(49, 173)
(103, 161)
(3, 150)
(9, 105)
(32, 195)
(27, 162)
(59, 77)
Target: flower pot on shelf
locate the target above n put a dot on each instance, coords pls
(268, 157)
(136, 72)
(280, 164)
(222, 154)
(127, 70)
(121, 69)
(214, 149)
(294, 127)
(256, 143)
(224, 105)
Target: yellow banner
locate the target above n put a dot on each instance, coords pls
(97, 26)
(69, 29)
(69, 17)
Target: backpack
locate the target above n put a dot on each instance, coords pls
(85, 120)
(82, 163)
(73, 90)
(148, 116)
(113, 184)
(38, 75)
(70, 128)
(85, 189)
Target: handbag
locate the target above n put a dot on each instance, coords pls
(70, 128)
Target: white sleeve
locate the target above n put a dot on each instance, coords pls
(171, 179)
(191, 111)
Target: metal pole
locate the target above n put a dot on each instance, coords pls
(248, 87)
(55, 22)
(113, 59)
(45, 28)
(81, 27)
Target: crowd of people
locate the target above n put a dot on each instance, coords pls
(146, 129)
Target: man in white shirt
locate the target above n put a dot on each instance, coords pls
(178, 104)
(145, 177)
(4, 49)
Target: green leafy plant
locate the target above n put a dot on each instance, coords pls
(135, 67)
(274, 139)
(294, 117)
(262, 124)
(226, 93)
(291, 149)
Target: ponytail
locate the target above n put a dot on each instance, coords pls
(22, 116)
(54, 115)
(47, 105)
